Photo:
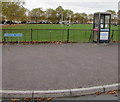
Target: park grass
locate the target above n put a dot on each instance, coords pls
(50, 26)
(53, 32)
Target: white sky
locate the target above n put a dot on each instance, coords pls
(87, 6)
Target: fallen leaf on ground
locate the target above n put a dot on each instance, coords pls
(112, 92)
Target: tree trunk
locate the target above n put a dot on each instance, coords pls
(10, 23)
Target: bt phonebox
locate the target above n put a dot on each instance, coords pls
(101, 27)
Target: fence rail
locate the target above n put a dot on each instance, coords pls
(53, 35)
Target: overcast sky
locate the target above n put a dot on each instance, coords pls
(87, 6)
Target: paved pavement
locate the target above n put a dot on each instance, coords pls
(58, 66)
(88, 98)
(92, 97)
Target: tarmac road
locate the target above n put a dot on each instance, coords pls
(58, 66)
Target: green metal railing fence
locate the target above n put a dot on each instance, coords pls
(51, 35)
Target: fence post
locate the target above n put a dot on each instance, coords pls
(31, 34)
(68, 34)
(4, 40)
(111, 38)
(91, 36)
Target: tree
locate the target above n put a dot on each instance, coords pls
(112, 12)
(114, 16)
(1, 12)
(22, 14)
(76, 18)
(51, 15)
(59, 13)
(84, 18)
(13, 11)
(80, 18)
(67, 15)
(36, 14)
(90, 18)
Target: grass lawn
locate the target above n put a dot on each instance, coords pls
(53, 32)
(50, 26)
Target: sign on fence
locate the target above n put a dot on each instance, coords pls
(12, 35)
(18, 35)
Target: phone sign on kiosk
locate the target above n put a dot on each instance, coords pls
(101, 27)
